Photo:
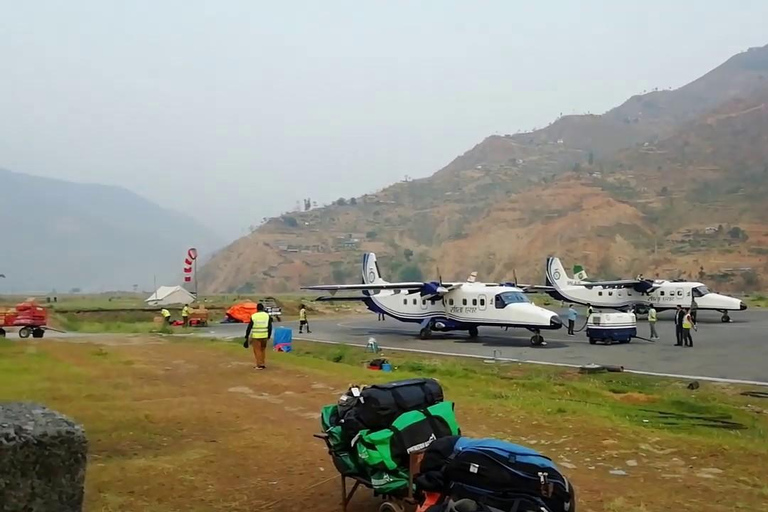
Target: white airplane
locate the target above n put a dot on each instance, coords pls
(438, 306)
(639, 293)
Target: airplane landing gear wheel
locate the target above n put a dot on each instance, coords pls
(725, 318)
(592, 341)
(24, 332)
(425, 334)
(537, 340)
(473, 332)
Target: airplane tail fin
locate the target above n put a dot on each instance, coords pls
(371, 274)
(556, 275)
(579, 273)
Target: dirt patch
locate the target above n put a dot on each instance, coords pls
(636, 398)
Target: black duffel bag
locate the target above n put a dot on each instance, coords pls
(377, 406)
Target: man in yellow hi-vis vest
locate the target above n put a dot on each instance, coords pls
(185, 315)
(259, 331)
(166, 315)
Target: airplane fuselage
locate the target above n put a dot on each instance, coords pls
(471, 305)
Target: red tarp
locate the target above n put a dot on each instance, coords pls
(243, 311)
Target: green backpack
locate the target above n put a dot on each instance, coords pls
(388, 449)
(343, 456)
(386, 482)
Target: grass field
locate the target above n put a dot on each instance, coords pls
(182, 424)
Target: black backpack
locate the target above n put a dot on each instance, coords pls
(377, 406)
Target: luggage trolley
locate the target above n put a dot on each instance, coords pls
(391, 502)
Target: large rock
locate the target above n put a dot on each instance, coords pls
(42, 460)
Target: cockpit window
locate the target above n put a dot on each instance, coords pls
(700, 291)
(504, 299)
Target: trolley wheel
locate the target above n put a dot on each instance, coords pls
(24, 332)
(2, 332)
(592, 341)
(38, 333)
(390, 506)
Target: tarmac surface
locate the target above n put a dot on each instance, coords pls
(733, 351)
(737, 350)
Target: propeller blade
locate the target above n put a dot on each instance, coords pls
(514, 275)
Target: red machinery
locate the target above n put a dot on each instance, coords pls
(27, 316)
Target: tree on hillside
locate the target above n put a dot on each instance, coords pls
(371, 235)
(737, 233)
(664, 191)
(408, 254)
(341, 201)
(352, 201)
(591, 158)
(411, 272)
(291, 222)
(751, 280)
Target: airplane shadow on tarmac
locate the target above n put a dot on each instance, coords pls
(485, 339)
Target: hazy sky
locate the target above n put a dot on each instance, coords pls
(234, 110)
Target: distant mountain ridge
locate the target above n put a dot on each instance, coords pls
(63, 235)
(669, 183)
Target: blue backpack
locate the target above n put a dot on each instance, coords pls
(498, 474)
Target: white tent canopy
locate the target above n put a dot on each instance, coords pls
(170, 295)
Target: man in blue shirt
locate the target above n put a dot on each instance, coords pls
(572, 314)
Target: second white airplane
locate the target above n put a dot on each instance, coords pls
(438, 306)
(634, 292)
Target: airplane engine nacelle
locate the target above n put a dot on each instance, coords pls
(643, 286)
(431, 288)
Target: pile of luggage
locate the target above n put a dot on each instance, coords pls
(459, 474)
(372, 431)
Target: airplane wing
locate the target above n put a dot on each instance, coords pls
(382, 286)
(623, 283)
(535, 288)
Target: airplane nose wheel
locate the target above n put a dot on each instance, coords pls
(725, 318)
(537, 340)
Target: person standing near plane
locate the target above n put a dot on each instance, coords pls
(572, 315)
(303, 319)
(185, 315)
(688, 324)
(258, 333)
(679, 316)
(652, 322)
(166, 316)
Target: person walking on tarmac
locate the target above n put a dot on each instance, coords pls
(688, 324)
(259, 331)
(652, 322)
(679, 316)
(572, 314)
(303, 319)
(166, 316)
(185, 315)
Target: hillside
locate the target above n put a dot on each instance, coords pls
(62, 235)
(669, 183)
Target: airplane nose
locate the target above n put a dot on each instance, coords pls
(555, 322)
(742, 306)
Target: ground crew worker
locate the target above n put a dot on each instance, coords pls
(185, 315)
(572, 314)
(679, 316)
(166, 315)
(259, 331)
(652, 322)
(303, 319)
(688, 324)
